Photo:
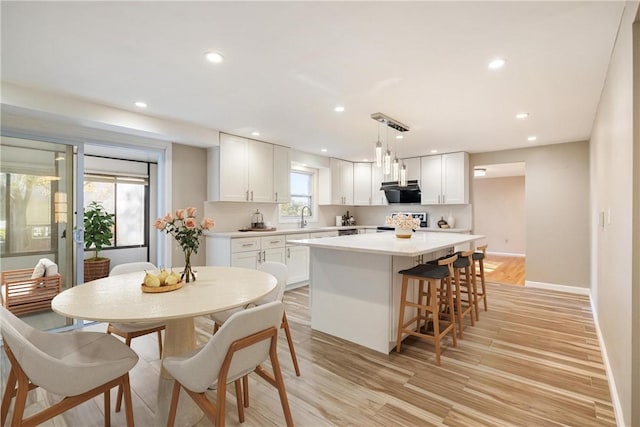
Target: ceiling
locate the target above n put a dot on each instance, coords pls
(288, 64)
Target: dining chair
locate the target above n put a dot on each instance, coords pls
(75, 365)
(243, 342)
(128, 331)
(281, 273)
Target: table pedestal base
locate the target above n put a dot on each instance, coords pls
(179, 339)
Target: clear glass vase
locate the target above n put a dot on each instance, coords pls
(187, 274)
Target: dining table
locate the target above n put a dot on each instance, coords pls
(120, 299)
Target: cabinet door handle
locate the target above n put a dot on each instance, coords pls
(247, 245)
(288, 252)
(273, 242)
(443, 196)
(276, 196)
(252, 195)
(246, 195)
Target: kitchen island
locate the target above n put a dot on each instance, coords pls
(354, 285)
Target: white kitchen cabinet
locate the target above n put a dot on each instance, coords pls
(245, 259)
(362, 177)
(281, 173)
(297, 260)
(378, 197)
(445, 179)
(241, 170)
(341, 182)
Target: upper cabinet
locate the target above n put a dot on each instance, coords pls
(242, 170)
(281, 173)
(362, 184)
(337, 183)
(377, 178)
(445, 179)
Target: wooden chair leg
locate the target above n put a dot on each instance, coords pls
(21, 399)
(245, 390)
(482, 282)
(174, 404)
(403, 297)
(128, 403)
(468, 284)
(160, 344)
(239, 403)
(436, 318)
(107, 408)
(449, 295)
(284, 401)
(458, 301)
(9, 392)
(287, 331)
(221, 401)
(474, 282)
(119, 399)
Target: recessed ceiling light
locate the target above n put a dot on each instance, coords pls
(479, 172)
(215, 57)
(141, 104)
(496, 63)
(339, 109)
(255, 133)
(399, 136)
(522, 115)
(532, 138)
(434, 151)
(324, 150)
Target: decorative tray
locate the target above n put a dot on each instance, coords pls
(258, 229)
(158, 289)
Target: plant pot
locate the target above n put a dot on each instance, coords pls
(404, 233)
(96, 268)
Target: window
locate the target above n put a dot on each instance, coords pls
(302, 187)
(126, 198)
(25, 213)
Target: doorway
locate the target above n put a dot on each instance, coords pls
(37, 186)
(500, 214)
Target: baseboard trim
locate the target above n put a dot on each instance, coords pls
(506, 254)
(559, 288)
(615, 399)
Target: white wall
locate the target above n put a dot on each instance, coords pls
(500, 213)
(612, 227)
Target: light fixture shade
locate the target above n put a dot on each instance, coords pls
(396, 169)
(403, 175)
(378, 153)
(387, 162)
(479, 172)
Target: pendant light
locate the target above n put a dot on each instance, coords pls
(403, 175)
(387, 162)
(395, 168)
(378, 149)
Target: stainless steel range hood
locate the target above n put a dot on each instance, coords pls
(396, 193)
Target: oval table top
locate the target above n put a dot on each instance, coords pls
(119, 299)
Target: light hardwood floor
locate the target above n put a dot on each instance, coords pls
(532, 360)
(508, 270)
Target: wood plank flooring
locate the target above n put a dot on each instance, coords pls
(532, 360)
(508, 270)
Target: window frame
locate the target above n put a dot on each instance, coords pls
(314, 173)
(124, 179)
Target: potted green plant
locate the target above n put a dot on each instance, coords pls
(98, 232)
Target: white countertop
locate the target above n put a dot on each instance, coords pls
(388, 244)
(232, 234)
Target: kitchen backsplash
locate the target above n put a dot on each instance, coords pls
(231, 216)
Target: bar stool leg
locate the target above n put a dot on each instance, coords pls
(436, 320)
(403, 304)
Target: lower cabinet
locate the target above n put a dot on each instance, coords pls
(297, 260)
(250, 252)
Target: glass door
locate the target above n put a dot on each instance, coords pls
(38, 192)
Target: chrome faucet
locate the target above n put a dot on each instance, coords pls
(303, 223)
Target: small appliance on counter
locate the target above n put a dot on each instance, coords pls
(257, 223)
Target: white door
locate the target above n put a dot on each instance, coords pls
(455, 175)
(298, 263)
(233, 168)
(362, 184)
(245, 259)
(274, 255)
(431, 178)
(260, 156)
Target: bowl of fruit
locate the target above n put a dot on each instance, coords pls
(161, 281)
